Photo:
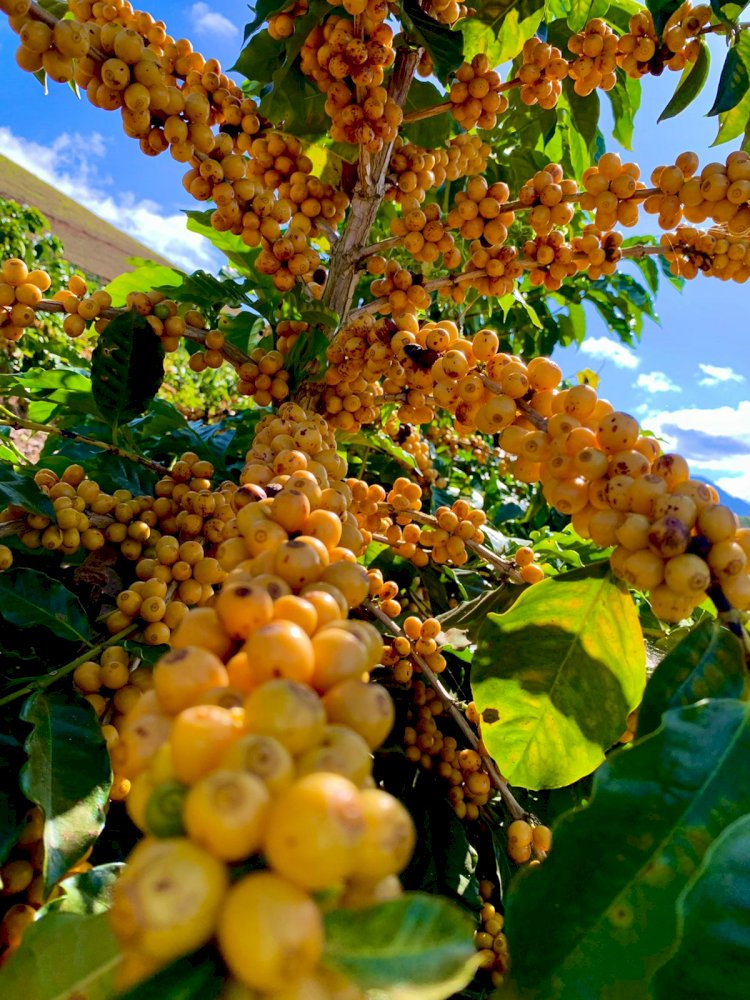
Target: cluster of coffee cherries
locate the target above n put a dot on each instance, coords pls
(22, 888)
(546, 196)
(719, 192)
(476, 98)
(20, 291)
(415, 444)
(426, 744)
(161, 539)
(479, 212)
(489, 939)
(672, 538)
(113, 684)
(713, 253)
(172, 98)
(426, 237)
(255, 740)
(525, 840)
(264, 377)
(348, 66)
(413, 171)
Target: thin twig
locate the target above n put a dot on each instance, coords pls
(232, 354)
(10, 419)
(509, 800)
(44, 682)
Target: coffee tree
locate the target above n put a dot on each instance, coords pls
(414, 671)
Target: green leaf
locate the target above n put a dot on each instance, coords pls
(603, 903)
(445, 862)
(727, 11)
(518, 25)
(625, 98)
(320, 315)
(50, 390)
(205, 291)
(471, 615)
(662, 10)
(584, 113)
(56, 7)
(735, 76)
(68, 775)
(445, 47)
(127, 368)
(430, 132)
(88, 892)
(555, 677)
(416, 941)
(31, 600)
(691, 84)
(149, 654)
(63, 956)
(229, 244)
(298, 105)
(144, 278)
(582, 11)
(733, 123)
(712, 958)
(20, 490)
(708, 663)
(195, 977)
(261, 11)
(259, 59)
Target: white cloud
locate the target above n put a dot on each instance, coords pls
(211, 22)
(65, 162)
(715, 375)
(715, 441)
(656, 382)
(610, 350)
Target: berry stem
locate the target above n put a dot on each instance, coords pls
(10, 419)
(509, 800)
(49, 679)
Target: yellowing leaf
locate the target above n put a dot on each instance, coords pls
(555, 677)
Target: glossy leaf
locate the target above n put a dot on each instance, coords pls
(582, 11)
(62, 956)
(518, 25)
(625, 98)
(661, 11)
(609, 887)
(67, 774)
(127, 368)
(555, 677)
(88, 892)
(195, 977)
(713, 955)
(690, 85)
(445, 47)
(229, 244)
(471, 615)
(145, 277)
(735, 76)
(20, 490)
(445, 862)
(733, 123)
(49, 391)
(430, 132)
(31, 600)
(708, 663)
(261, 11)
(414, 942)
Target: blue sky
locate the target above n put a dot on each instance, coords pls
(688, 379)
